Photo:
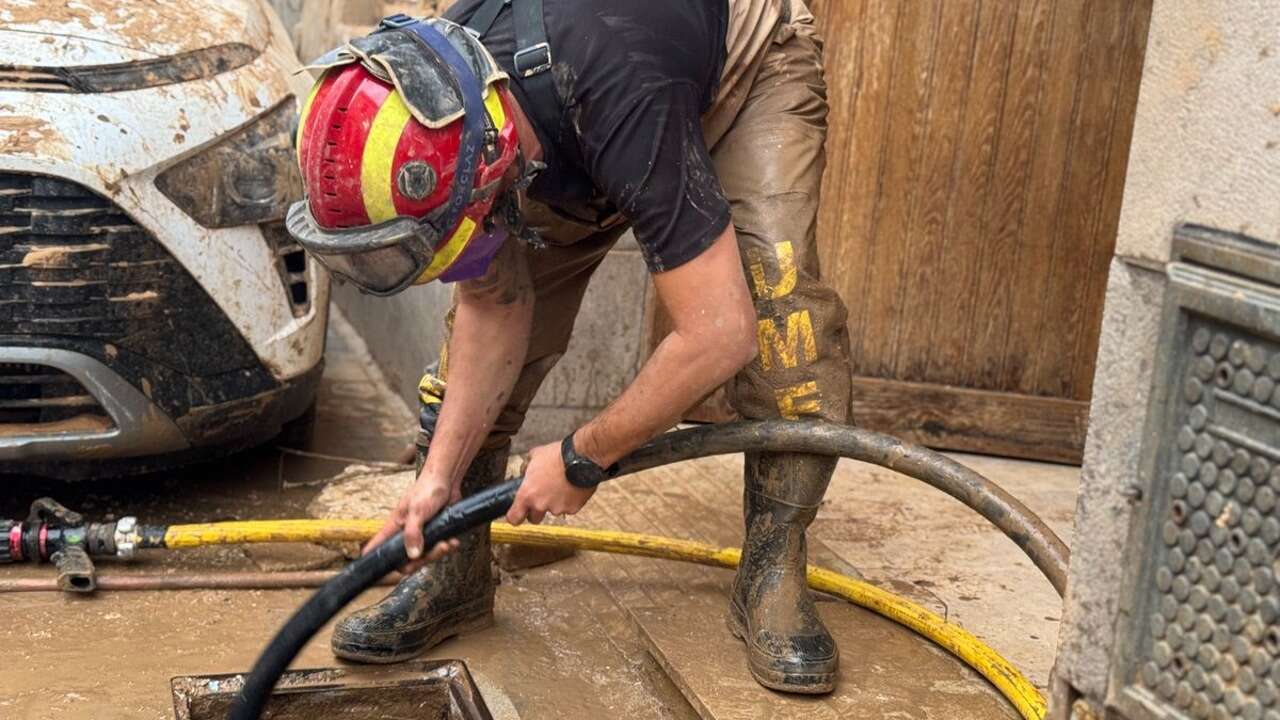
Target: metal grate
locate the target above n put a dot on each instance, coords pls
(1204, 610)
(33, 395)
(1214, 642)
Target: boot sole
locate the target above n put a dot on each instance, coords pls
(383, 655)
(819, 683)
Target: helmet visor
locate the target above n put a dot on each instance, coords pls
(380, 259)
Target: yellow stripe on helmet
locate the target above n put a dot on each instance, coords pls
(379, 152)
(493, 103)
(447, 253)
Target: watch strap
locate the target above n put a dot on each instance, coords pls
(582, 471)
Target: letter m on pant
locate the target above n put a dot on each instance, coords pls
(792, 346)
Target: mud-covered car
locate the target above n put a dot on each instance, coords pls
(152, 306)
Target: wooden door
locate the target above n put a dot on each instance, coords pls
(977, 156)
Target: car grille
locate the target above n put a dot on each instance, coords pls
(38, 397)
(34, 79)
(134, 75)
(77, 272)
(74, 264)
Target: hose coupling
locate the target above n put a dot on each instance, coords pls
(10, 542)
(126, 537)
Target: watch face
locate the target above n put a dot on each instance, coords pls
(580, 471)
(583, 471)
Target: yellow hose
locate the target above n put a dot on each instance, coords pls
(1011, 683)
(263, 531)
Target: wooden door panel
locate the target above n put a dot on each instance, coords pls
(979, 420)
(985, 312)
(943, 353)
(976, 160)
(924, 228)
(1112, 195)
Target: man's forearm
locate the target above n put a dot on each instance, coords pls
(679, 373)
(487, 347)
(714, 338)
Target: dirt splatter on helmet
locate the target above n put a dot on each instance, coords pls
(404, 142)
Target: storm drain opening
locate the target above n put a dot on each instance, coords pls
(39, 399)
(424, 690)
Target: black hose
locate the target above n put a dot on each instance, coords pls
(358, 576)
(1029, 532)
(989, 500)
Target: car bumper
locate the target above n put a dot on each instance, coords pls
(123, 431)
(124, 421)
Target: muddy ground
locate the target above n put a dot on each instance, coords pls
(590, 637)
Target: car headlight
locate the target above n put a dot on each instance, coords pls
(250, 176)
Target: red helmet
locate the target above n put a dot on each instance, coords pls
(404, 142)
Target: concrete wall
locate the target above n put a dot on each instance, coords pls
(1206, 150)
(404, 334)
(1206, 145)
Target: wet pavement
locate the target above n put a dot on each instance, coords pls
(591, 637)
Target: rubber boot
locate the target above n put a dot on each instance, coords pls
(446, 598)
(788, 647)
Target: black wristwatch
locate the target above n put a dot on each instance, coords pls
(580, 471)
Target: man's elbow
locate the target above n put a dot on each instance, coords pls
(740, 345)
(724, 343)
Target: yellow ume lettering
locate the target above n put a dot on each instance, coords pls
(786, 270)
(797, 400)
(799, 339)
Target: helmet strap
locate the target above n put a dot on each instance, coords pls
(527, 171)
(507, 207)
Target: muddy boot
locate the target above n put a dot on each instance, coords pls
(446, 598)
(788, 648)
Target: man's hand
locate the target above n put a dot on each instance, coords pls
(426, 497)
(546, 489)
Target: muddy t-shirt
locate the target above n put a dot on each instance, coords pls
(634, 77)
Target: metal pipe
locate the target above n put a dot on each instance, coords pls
(193, 581)
(1001, 509)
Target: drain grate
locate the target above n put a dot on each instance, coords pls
(1214, 640)
(429, 690)
(1204, 627)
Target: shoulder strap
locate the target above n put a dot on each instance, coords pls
(533, 65)
(482, 20)
(532, 59)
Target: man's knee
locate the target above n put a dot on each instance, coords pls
(802, 369)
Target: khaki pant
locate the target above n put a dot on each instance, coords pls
(766, 134)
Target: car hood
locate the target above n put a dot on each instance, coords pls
(104, 32)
